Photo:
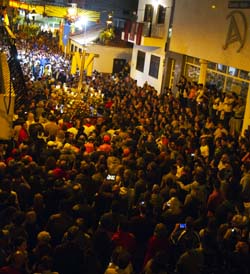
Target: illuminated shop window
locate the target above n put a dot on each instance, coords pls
(233, 71)
(221, 68)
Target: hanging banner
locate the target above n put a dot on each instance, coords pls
(54, 11)
(66, 32)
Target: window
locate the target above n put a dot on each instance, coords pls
(140, 60)
(161, 15)
(192, 72)
(154, 66)
(244, 75)
(190, 59)
(221, 68)
(197, 61)
(148, 15)
(233, 71)
(211, 65)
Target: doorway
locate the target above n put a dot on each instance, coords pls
(118, 65)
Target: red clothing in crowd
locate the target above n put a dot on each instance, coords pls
(124, 239)
(155, 245)
(9, 270)
(105, 147)
(109, 104)
(89, 147)
(23, 135)
(214, 200)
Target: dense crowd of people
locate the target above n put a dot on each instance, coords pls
(118, 178)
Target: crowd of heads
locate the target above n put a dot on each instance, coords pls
(120, 178)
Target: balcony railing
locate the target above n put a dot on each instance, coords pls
(135, 31)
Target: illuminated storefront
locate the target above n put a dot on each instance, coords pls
(225, 78)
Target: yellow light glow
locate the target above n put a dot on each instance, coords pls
(72, 11)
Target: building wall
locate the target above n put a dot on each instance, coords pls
(144, 76)
(104, 63)
(106, 55)
(204, 32)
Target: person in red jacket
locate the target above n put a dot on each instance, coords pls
(124, 238)
(214, 199)
(23, 133)
(159, 241)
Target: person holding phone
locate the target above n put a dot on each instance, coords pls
(184, 237)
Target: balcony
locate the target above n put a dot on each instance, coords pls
(144, 34)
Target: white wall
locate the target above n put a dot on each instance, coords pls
(104, 63)
(201, 31)
(142, 77)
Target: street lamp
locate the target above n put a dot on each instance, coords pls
(72, 13)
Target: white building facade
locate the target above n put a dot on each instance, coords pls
(149, 33)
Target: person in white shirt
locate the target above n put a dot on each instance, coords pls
(204, 148)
